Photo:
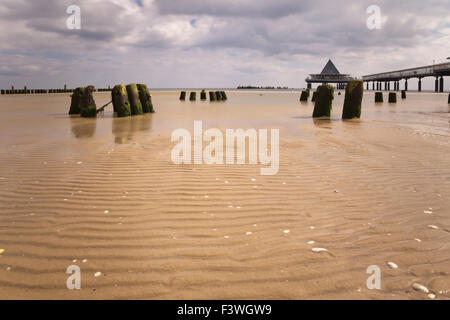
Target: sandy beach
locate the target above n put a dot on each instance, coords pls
(103, 194)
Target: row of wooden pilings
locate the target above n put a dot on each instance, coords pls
(324, 95)
(132, 99)
(25, 90)
(213, 96)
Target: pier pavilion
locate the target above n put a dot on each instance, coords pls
(329, 74)
(437, 70)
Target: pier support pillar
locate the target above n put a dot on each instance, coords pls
(309, 86)
(373, 85)
(436, 84)
(367, 86)
(406, 84)
(441, 86)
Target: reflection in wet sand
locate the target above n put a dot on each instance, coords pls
(82, 127)
(124, 129)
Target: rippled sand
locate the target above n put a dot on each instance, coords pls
(106, 190)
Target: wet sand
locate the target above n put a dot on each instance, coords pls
(107, 191)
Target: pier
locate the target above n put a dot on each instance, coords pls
(439, 71)
(329, 74)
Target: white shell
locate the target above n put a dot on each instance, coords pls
(392, 265)
(419, 287)
(318, 250)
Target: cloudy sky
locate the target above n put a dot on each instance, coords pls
(212, 43)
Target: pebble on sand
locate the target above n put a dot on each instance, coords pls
(97, 274)
(392, 265)
(106, 211)
(318, 250)
(286, 231)
(418, 287)
(248, 233)
(431, 296)
(84, 260)
(428, 212)
(310, 242)
(433, 227)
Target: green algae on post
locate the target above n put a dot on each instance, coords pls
(120, 101)
(392, 97)
(313, 99)
(304, 96)
(212, 96)
(145, 98)
(324, 101)
(133, 97)
(378, 96)
(88, 106)
(353, 98)
(218, 96)
(193, 96)
(183, 95)
(75, 106)
(203, 95)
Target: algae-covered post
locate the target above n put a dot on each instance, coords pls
(193, 96)
(224, 95)
(308, 92)
(314, 95)
(203, 95)
(133, 97)
(378, 96)
(403, 94)
(183, 95)
(353, 97)
(88, 106)
(146, 99)
(218, 96)
(324, 101)
(212, 96)
(304, 96)
(392, 97)
(120, 101)
(75, 106)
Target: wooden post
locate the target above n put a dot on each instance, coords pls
(88, 106)
(353, 98)
(314, 95)
(403, 94)
(378, 96)
(193, 96)
(304, 96)
(218, 96)
(224, 95)
(212, 96)
(203, 95)
(183, 95)
(75, 106)
(145, 98)
(392, 97)
(121, 104)
(324, 101)
(133, 97)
